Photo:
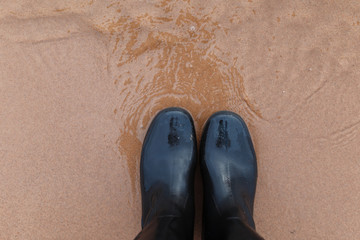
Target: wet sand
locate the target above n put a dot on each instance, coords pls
(80, 82)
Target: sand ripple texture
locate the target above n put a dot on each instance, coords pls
(80, 82)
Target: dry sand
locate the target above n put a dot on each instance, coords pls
(81, 80)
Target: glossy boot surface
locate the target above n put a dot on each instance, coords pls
(167, 168)
(229, 168)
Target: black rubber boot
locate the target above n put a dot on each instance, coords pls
(229, 169)
(167, 170)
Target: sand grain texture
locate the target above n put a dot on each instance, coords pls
(80, 82)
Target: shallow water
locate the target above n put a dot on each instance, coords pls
(81, 81)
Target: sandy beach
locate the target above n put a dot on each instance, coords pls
(80, 82)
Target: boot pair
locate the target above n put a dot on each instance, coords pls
(167, 169)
